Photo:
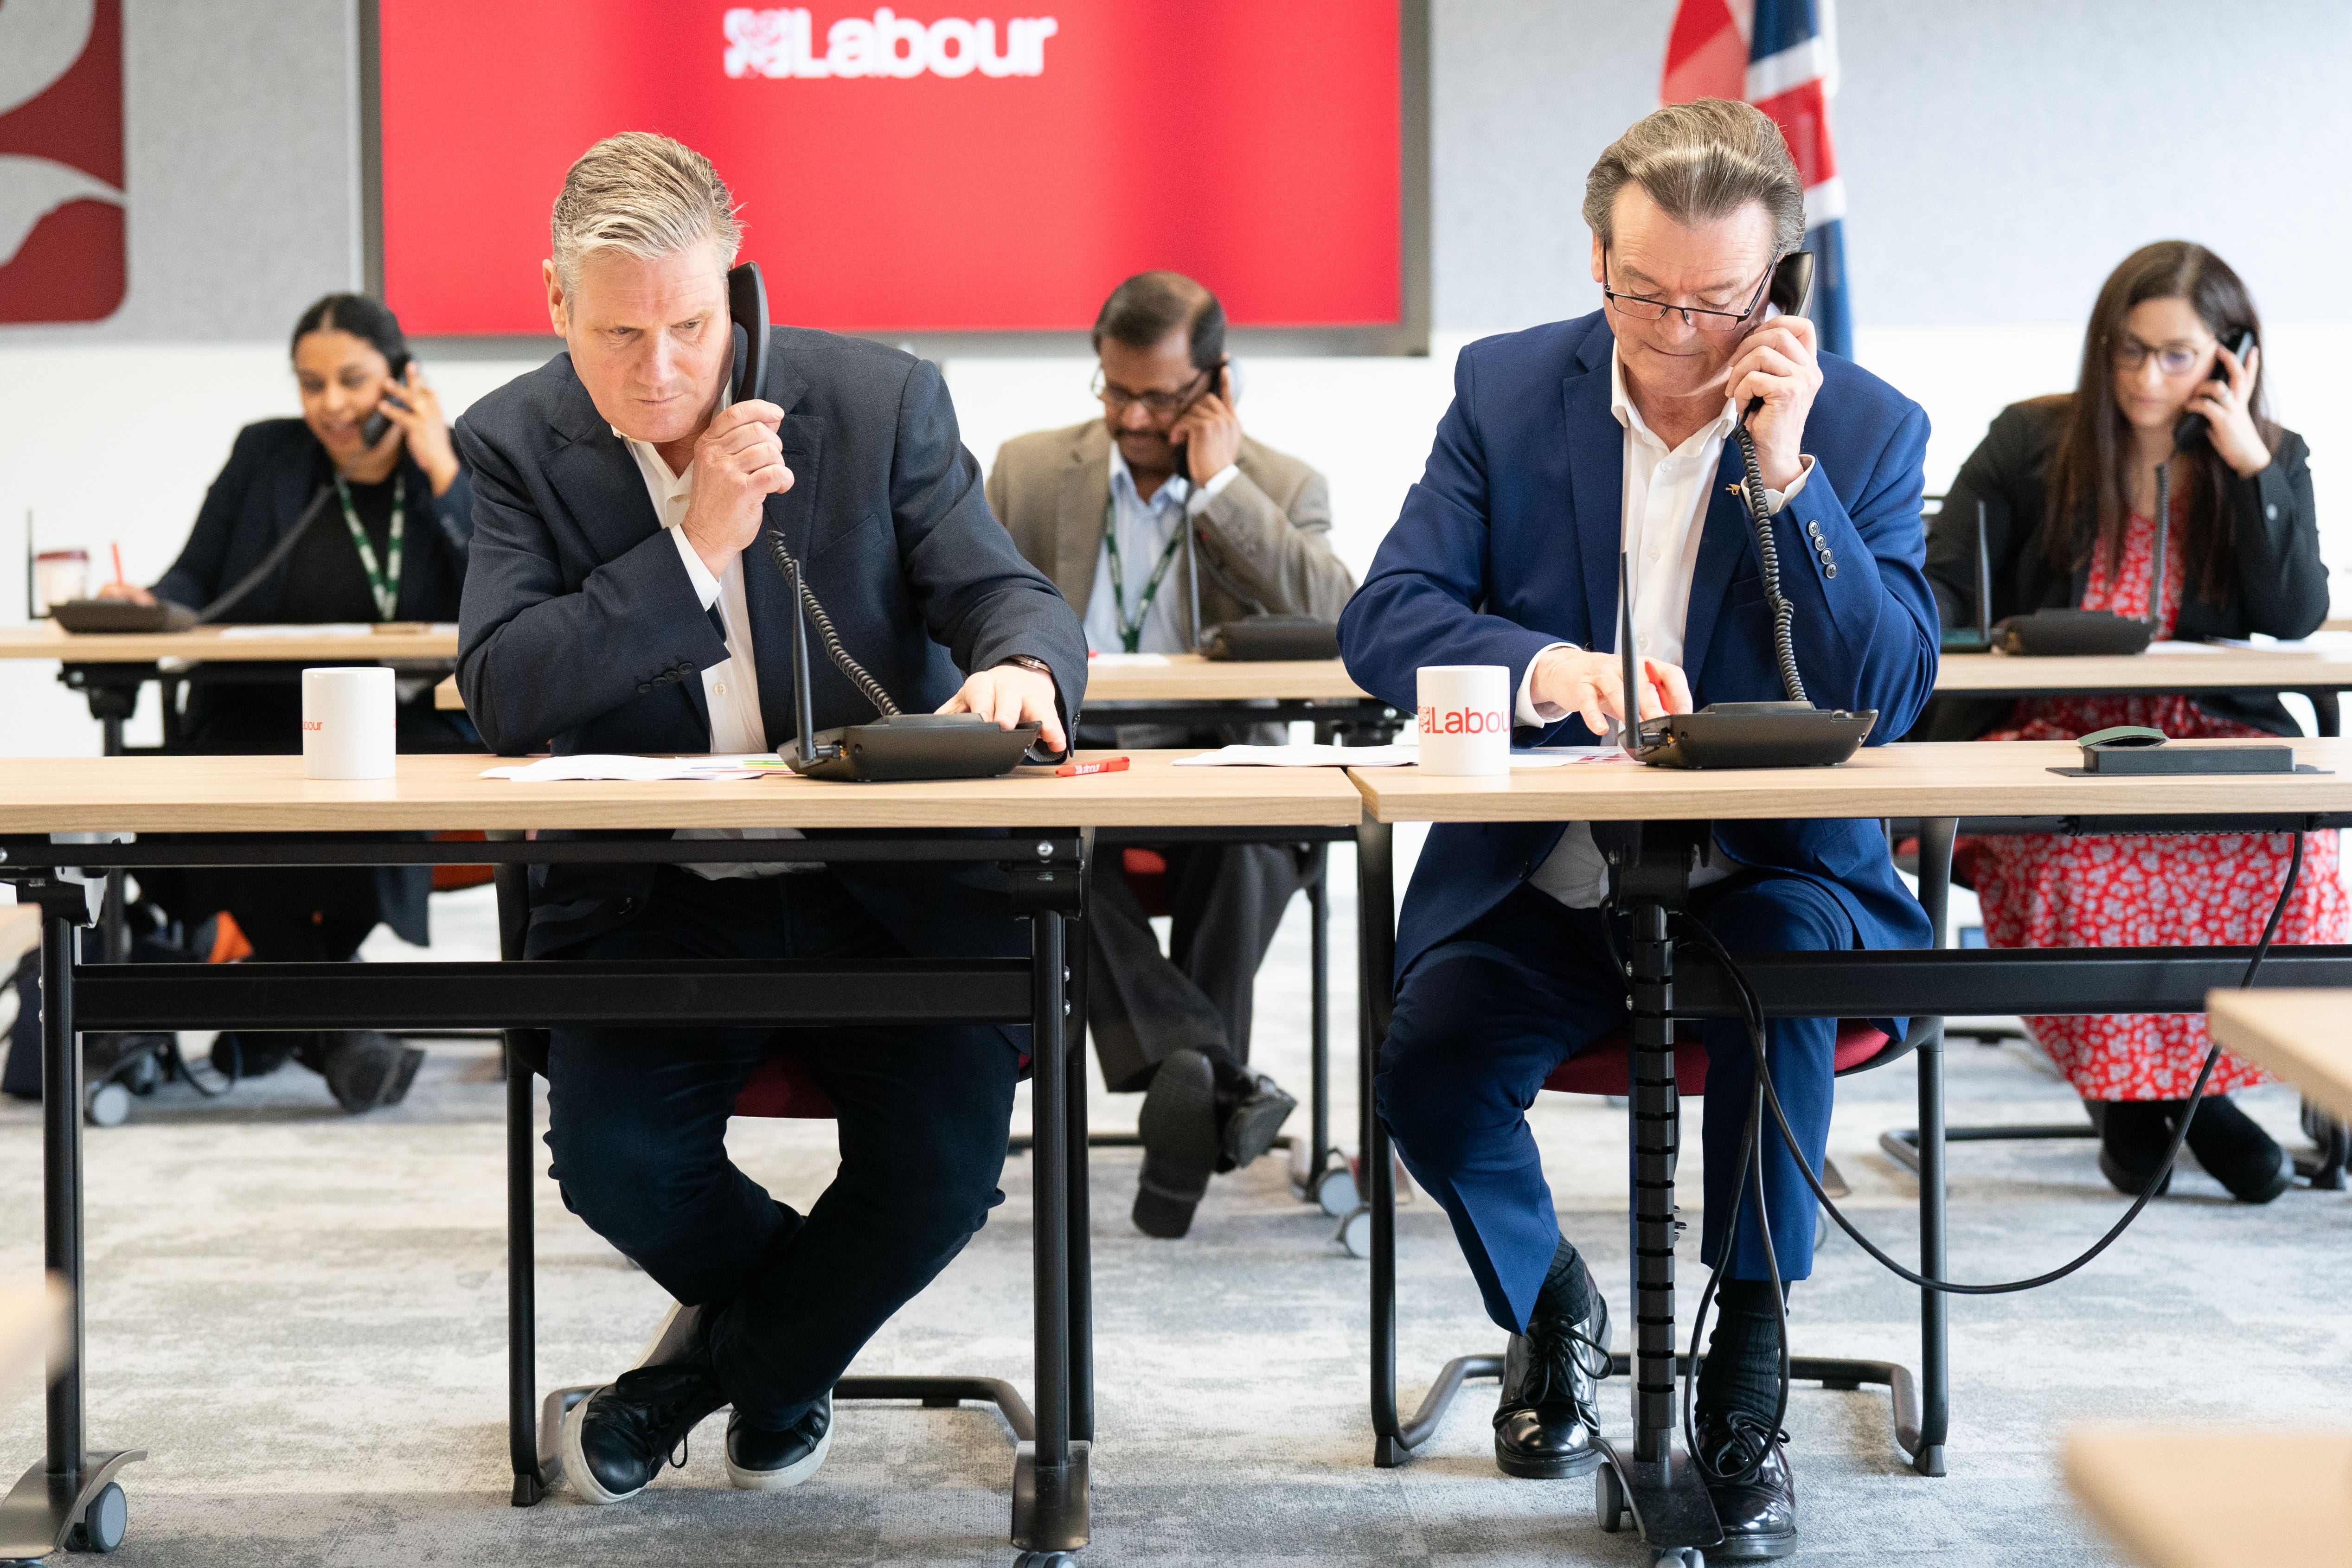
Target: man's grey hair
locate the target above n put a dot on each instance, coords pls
(645, 195)
(1699, 162)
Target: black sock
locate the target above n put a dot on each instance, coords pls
(1566, 1289)
(1742, 1369)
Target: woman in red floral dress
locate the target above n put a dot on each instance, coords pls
(2068, 488)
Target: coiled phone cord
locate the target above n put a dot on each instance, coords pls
(848, 666)
(1768, 556)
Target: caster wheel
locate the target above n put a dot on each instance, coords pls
(1046, 1560)
(1820, 1228)
(1335, 1193)
(1678, 1557)
(1355, 1233)
(102, 1523)
(108, 1105)
(1609, 1498)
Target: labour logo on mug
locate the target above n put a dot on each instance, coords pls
(1465, 718)
(61, 192)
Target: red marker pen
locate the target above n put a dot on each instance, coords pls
(1107, 765)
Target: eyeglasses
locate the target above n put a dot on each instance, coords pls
(1641, 308)
(1162, 406)
(2172, 359)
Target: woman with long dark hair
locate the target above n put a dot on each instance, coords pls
(2066, 487)
(381, 518)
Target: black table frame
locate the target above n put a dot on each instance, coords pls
(1649, 1477)
(1051, 1500)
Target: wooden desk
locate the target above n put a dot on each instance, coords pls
(1942, 780)
(269, 795)
(1184, 678)
(2302, 1036)
(249, 805)
(1936, 784)
(211, 646)
(2217, 1499)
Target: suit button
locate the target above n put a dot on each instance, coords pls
(2271, 511)
(1828, 571)
(645, 685)
(1815, 530)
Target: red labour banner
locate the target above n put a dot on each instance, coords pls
(61, 222)
(915, 171)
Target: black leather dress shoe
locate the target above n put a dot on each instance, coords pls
(2133, 1136)
(1547, 1425)
(1747, 1475)
(1181, 1147)
(1252, 1108)
(2236, 1152)
(619, 1437)
(758, 1459)
(365, 1068)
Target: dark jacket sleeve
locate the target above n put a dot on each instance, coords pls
(196, 579)
(453, 509)
(2003, 478)
(536, 658)
(978, 599)
(2281, 580)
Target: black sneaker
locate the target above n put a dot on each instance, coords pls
(1548, 1423)
(758, 1459)
(619, 1437)
(1181, 1145)
(1747, 1477)
(1252, 1108)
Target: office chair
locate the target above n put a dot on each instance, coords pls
(1603, 1069)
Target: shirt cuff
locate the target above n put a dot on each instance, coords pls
(1777, 499)
(1526, 713)
(1210, 489)
(705, 585)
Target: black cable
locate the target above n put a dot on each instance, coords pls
(848, 666)
(1753, 1016)
(1768, 557)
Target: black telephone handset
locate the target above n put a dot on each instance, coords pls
(1790, 734)
(2191, 429)
(898, 745)
(374, 427)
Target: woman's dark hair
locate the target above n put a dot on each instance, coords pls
(362, 317)
(2088, 492)
(1142, 311)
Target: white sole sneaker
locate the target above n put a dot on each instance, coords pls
(792, 1475)
(581, 1480)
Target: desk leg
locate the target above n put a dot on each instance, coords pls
(522, 1221)
(1318, 963)
(1081, 1217)
(1050, 1504)
(69, 1499)
(1663, 1489)
(1936, 835)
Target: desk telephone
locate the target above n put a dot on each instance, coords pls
(896, 746)
(1790, 734)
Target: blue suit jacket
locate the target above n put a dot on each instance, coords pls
(1510, 543)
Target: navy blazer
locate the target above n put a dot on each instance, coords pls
(1510, 541)
(581, 629)
(273, 472)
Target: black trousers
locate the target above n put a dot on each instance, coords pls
(1143, 1004)
(638, 1127)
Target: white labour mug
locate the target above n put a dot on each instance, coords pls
(1464, 720)
(348, 723)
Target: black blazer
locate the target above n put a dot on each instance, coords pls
(581, 631)
(2281, 589)
(273, 471)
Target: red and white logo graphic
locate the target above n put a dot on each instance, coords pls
(61, 219)
(783, 44)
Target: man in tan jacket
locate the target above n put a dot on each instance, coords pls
(1102, 508)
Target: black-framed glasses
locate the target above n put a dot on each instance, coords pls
(1162, 406)
(1642, 307)
(2172, 359)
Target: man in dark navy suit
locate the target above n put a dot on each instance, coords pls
(1565, 446)
(619, 598)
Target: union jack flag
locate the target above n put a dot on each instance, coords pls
(1781, 56)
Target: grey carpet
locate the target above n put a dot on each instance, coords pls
(302, 1316)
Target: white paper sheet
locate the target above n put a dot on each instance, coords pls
(630, 770)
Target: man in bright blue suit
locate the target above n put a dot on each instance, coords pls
(1565, 446)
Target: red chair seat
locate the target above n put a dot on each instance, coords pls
(1145, 871)
(783, 1086)
(1601, 1067)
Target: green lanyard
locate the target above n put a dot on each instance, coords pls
(384, 581)
(1130, 632)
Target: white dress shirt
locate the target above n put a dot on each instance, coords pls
(1144, 529)
(1667, 496)
(731, 687)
